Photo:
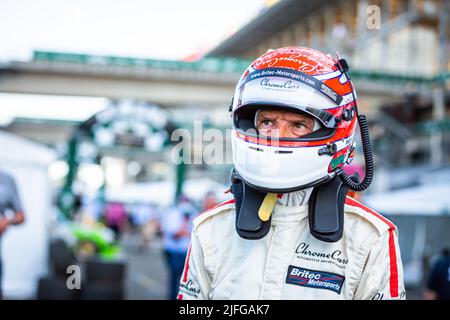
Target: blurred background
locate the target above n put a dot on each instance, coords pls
(91, 93)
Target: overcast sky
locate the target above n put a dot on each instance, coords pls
(168, 29)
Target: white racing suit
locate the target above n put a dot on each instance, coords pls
(289, 263)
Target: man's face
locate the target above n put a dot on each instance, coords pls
(284, 124)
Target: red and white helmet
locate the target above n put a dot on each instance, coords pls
(293, 79)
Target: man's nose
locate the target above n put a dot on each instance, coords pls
(284, 131)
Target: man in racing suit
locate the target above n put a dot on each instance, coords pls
(288, 262)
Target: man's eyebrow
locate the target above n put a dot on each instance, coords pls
(270, 117)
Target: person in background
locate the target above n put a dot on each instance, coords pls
(11, 212)
(210, 200)
(115, 218)
(176, 227)
(144, 217)
(438, 285)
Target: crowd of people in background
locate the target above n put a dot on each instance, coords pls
(150, 225)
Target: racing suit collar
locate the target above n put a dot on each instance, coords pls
(289, 214)
(296, 198)
(292, 207)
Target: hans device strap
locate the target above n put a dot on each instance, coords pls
(248, 201)
(326, 210)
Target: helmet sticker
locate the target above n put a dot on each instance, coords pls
(294, 75)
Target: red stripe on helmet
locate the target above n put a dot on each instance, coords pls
(292, 144)
(340, 88)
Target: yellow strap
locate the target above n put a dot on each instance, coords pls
(267, 205)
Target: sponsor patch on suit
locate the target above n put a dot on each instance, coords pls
(315, 279)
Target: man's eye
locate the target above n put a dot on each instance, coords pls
(266, 123)
(300, 125)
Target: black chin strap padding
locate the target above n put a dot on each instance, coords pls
(248, 202)
(326, 210)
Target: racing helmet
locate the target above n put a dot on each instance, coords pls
(301, 80)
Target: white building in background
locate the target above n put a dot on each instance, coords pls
(24, 248)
